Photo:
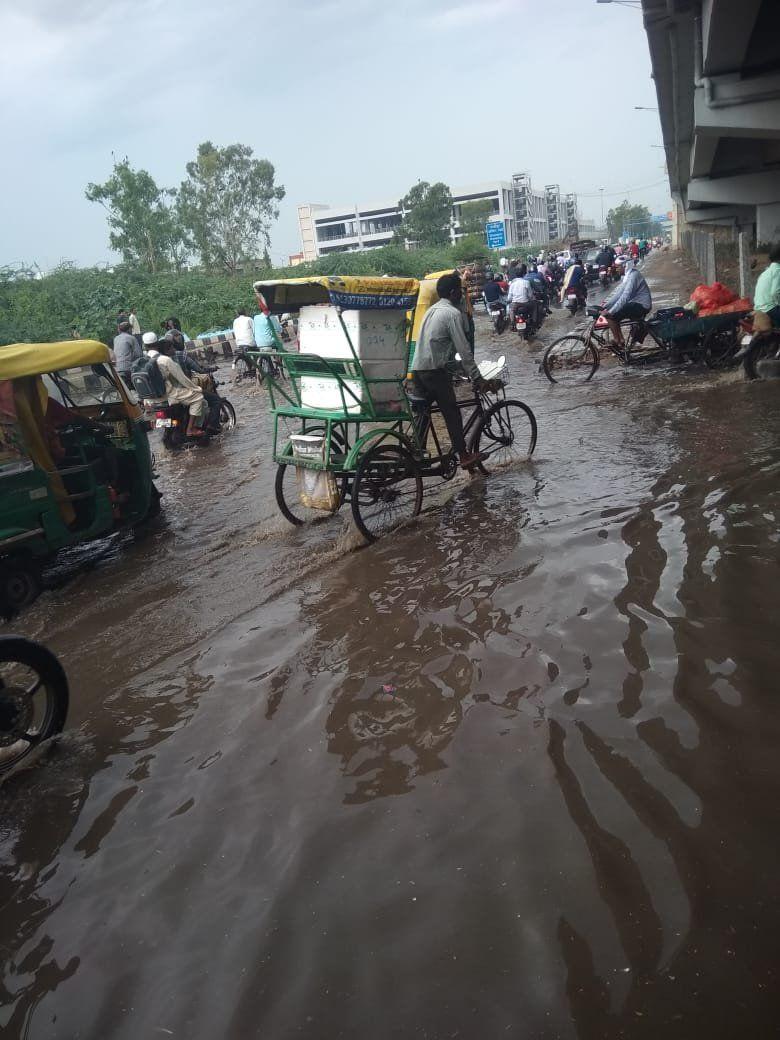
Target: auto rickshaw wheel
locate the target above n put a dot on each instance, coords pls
(33, 698)
(20, 584)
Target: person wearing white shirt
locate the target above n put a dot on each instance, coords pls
(521, 296)
(244, 331)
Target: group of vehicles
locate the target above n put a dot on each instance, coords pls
(349, 429)
(720, 341)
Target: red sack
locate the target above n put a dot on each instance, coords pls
(710, 297)
(732, 308)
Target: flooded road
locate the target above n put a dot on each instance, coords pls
(560, 821)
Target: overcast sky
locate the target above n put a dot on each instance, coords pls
(351, 100)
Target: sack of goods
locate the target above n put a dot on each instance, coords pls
(147, 379)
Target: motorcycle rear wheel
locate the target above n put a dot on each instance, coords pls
(227, 414)
(763, 349)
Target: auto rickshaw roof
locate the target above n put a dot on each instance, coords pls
(348, 291)
(33, 359)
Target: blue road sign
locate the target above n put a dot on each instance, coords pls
(495, 232)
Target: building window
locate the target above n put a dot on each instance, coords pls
(380, 225)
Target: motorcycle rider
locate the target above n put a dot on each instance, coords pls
(192, 368)
(574, 282)
(493, 292)
(539, 286)
(630, 301)
(521, 297)
(181, 390)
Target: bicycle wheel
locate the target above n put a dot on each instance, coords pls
(242, 368)
(506, 433)
(227, 415)
(387, 490)
(570, 359)
(33, 698)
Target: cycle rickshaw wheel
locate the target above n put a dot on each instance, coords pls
(506, 433)
(570, 359)
(287, 489)
(386, 491)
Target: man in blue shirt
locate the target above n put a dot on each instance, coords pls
(265, 326)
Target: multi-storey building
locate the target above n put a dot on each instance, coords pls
(528, 217)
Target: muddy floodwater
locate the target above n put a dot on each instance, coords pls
(512, 771)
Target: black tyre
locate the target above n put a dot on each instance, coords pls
(20, 584)
(33, 698)
(570, 359)
(287, 489)
(387, 490)
(764, 348)
(720, 346)
(242, 368)
(227, 414)
(155, 508)
(506, 433)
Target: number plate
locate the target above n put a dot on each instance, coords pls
(571, 296)
(163, 424)
(746, 340)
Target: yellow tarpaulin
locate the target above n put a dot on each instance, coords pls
(33, 359)
(428, 296)
(349, 291)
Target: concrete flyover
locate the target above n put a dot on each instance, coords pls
(716, 66)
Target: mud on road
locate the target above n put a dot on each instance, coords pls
(511, 771)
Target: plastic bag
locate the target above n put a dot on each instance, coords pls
(709, 297)
(732, 308)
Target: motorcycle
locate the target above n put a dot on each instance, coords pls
(525, 325)
(33, 698)
(497, 314)
(574, 301)
(604, 276)
(173, 419)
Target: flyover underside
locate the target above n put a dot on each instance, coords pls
(716, 65)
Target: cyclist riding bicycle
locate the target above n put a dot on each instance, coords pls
(631, 301)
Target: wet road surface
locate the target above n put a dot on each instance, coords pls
(563, 820)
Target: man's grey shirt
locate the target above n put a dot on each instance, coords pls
(126, 351)
(442, 335)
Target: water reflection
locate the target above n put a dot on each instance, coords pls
(415, 648)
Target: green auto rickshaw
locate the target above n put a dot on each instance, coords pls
(75, 463)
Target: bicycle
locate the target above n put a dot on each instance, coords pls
(256, 364)
(575, 357)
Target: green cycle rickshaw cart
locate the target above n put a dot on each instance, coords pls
(347, 427)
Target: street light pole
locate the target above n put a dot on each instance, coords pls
(602, 208)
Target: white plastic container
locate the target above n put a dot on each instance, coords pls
(377, 335)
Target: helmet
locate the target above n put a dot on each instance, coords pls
(149, 338)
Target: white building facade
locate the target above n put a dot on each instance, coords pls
(528, 217)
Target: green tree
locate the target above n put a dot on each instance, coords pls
(142, 218)
(474, 215)
(227, 204)
(470, 247)
(427, 213)
(634, 220)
